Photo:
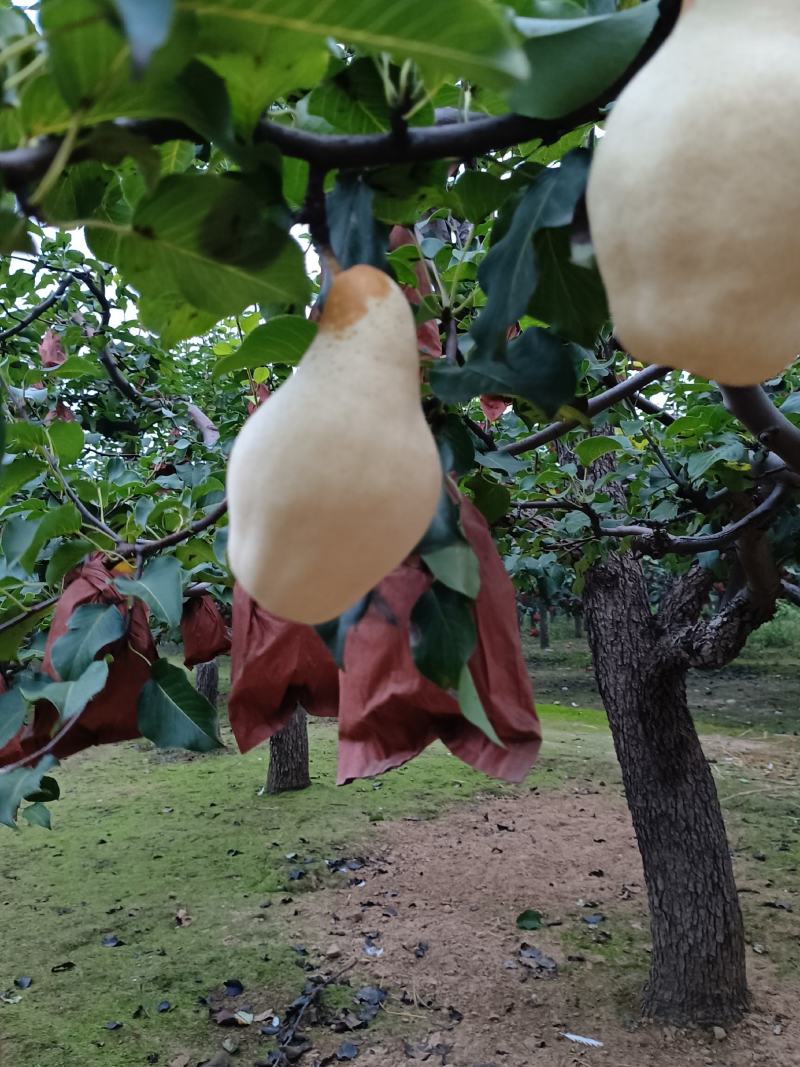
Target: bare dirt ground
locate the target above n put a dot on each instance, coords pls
(440, 903)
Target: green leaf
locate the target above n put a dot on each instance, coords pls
(355, 235)
(529, 920)
(12, 638)
(56, 523)
(592, 448)
(16, 785)
(501, 461)
(573, 60)
(172, 714)
(791, 405)
(478, 194)
(280, 63)
(334, 632)
(69, 698)
(16, 538)
(37, 815)
(456, 450)
(13, 709)
(509, 274)
(160, 587)
(211, 240)
(491, 499)
(472, 707)
(147, 24)
(354, 100)
(15, 475)
(700, 462)
(446, 38)
(65, 557)
(90, 628)
(444, 528)
(67, 441)
(455, 566)
(537, 365)
(570, 297)
(443, 635)
(283, 339)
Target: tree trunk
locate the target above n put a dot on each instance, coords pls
(288, 755)
(207, 680)
(544, 625)
(697, 973)
(578, 618)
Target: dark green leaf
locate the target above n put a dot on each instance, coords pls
(90, 628)
(15, 785)
(37, 815)
(570, 296)
(456, 449)
(478, 194)
(355, 235)
(147, 24)
(354, 100)
(64, 558)
(574, 60)
(55, 523)
(537, 365)
(69, 698)
(442, 635)
(334, 633)
(700, 462)
(13, 709)
(491, 499)
(19, 472)
(172, 714)
(472, 707)
(509, 274)
(283, 339)
(11, 639)
(455, 566)
(529, 920)
(160, 587)
(444, 528)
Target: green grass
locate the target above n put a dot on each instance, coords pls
(140, 834)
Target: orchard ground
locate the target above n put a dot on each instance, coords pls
(167, 876)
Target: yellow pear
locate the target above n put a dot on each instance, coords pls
(693, 199)
(336, 477)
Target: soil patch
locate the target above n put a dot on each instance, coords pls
(434, 922)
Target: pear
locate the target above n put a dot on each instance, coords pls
(692, 195)
(336, 477)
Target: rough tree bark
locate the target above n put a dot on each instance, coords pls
(288, 755)
(207, 680)
(697, 970)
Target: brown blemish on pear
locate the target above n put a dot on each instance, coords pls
(349, 295)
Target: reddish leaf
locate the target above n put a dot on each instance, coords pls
(274, 665)
(494, 406)
(50, 350)
(203, 630)
(60, 412)
(262, 394)
(389, 713)
(111, 715)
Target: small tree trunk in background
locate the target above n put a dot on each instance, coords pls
(544, 626)
(578, 625)
(207, 680)
(288, 755)
(697, 971)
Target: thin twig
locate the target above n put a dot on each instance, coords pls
(39, 310)
(17, 620)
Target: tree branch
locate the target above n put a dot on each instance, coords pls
(446, 140)
(39, 310)
(150, 548)
(753, 408)
(17, 620)
(628, 387)
(87, 515)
